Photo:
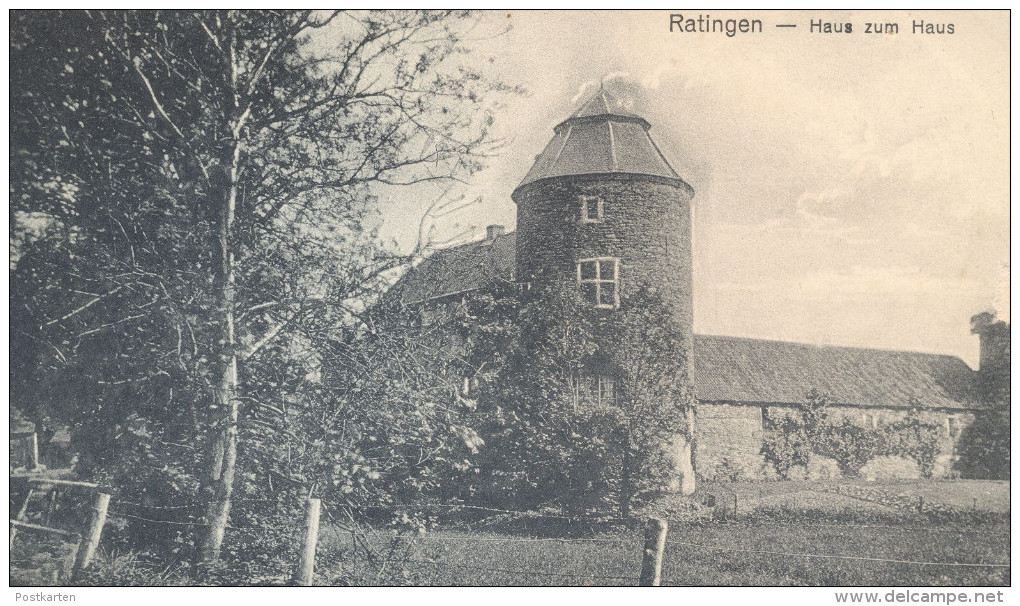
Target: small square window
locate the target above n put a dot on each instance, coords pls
(591, 209)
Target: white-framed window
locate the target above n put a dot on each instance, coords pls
(606, 390)
(600, 389)
(591, 209)
(599, 281)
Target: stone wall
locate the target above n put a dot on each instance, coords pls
(646, 223)
(729, 439)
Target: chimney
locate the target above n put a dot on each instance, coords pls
(492, 231)
(993, 368)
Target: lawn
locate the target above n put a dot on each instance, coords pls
(722, 553)
(742, 552)
(879, 496)
(786, 533)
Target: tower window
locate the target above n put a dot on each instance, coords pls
(599, 281)
(591, 209)
(953, 426)
(607, 391)
(597, 389)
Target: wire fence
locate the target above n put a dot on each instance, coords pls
(614, 550)
(825, 556)
(532, 573)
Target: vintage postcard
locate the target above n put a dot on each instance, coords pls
(703, 299)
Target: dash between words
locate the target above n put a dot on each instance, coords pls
(704, 23)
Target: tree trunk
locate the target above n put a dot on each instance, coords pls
(220, 481)
(679, 450)
(626, 481)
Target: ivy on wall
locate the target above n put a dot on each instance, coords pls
(794, 439)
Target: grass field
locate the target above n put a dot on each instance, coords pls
(715, 554)
(981, 495)
(785, 533)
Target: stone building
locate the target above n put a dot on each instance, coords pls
(603, 211)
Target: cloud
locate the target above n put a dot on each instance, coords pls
(885, 279)
(814, 214)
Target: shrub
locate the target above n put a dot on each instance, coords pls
(786, 446)
(851, 445)
(913, 438)
(729, 470)
(984, 447)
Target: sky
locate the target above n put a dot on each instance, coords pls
(850, 189)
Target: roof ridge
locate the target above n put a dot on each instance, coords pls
(473, 242)
(833, 346)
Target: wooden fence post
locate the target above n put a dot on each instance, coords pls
(89, 543)
(20, 517)
(655, 545)
(51, 505)
(734, 506)
(304, 574)
(34, 453)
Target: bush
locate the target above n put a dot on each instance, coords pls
(794, 439)
(984, 447)
(851, 445)
(913, 438)
(786, 446)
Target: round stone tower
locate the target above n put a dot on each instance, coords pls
(603, 210)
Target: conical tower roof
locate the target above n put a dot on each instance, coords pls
(600, 138)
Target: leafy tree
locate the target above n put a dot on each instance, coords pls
(555, 432)
(814, 413)
(812, 431)
(203, 181)
(984, 446)
(786, 445)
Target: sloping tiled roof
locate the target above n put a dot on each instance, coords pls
(734, 369)
(459, 269)
(600, 140)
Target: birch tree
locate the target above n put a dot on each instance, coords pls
(205, 183)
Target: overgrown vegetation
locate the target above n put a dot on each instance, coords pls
(568, 406)
(496, 552)
(810, 430)
(985, 445)
(194, 210)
